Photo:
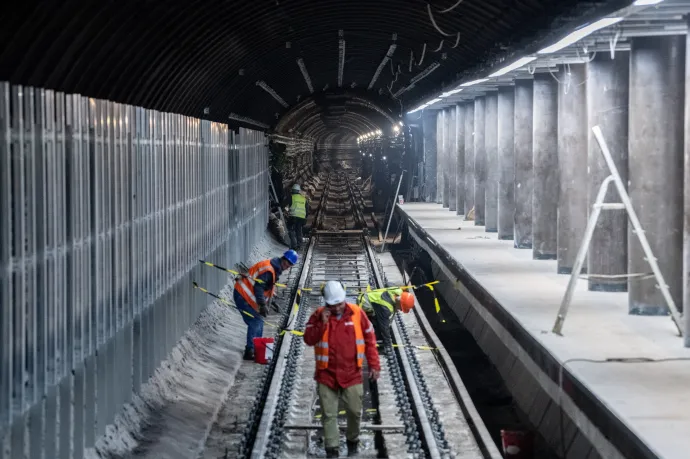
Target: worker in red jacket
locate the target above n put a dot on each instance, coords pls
(342, 335)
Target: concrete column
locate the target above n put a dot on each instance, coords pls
(491, 147)
(429, 135)
(469, 156)
(545, 165)
(686, 192)
(460, 154)
(607, 107)
(657, 71)
(440, 157)
(506, 163)
(479, 161)
(524, 174)
(452, 148)
(572, 164)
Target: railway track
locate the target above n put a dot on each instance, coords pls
(416, 399)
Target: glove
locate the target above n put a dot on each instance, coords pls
(263, 310)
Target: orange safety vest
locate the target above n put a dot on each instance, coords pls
(245, 285)
(321, 348)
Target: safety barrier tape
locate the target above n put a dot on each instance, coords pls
(368, 289)
(295, 306)
(237, 273)
(281, 330)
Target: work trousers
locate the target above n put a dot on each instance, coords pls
(352, 398)
(295, 231)
(255, 325)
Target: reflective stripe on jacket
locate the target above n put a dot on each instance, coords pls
(298, 209)
(245, 285)
(321, 349)
(341, 345)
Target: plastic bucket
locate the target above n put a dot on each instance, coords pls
(517, 444)
(263, 350)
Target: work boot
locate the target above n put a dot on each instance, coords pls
(352, 448)
(248, 354)
(332, 452)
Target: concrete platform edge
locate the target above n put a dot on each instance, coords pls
(609, 435)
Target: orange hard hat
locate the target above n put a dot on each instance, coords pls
(406, 302)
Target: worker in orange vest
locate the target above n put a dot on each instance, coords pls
(342, 335)
(253, 292)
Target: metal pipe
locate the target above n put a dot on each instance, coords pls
(383, 246)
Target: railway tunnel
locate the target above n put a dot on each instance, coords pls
(522, 165)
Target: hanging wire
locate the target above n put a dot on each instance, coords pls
(433, 22)
(440, 45)
(584, 61)
(411, 60)
(457, 41)
(612, 43)
(421, 59)
(448, 10)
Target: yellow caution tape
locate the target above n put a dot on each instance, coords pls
(436, 305)
(282, 331)
(237, 273)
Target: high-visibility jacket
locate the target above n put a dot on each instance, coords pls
(341, 345)
(245, 285)
(298, 209)
(384, 298)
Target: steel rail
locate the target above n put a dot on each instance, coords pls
(262, 437)
(476, 424)
(428, 435)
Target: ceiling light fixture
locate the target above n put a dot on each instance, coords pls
(515, 65)
(647, 2)
(450, 93)
(471, 83)
(579, 34)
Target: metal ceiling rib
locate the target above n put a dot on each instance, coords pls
(665, 18)
(186, 55)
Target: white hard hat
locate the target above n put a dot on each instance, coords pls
(333, 293)
(296, 187)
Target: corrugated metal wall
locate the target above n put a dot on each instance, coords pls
(105, 210)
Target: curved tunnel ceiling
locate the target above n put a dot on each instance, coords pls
(259, 58)
(350, 112)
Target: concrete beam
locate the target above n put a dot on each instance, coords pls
(524, 173)
(460, 161)
(506, 163)
(492, 174)
(469, 156)
(452, 155)
(545, 164)
(430, 152)
(572, 164)
(607, 107)
(440, 156)
(479, 160)
(657, 87)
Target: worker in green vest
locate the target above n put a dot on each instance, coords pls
(298, 206)
(380, 306)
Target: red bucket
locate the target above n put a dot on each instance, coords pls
(263, 350)
(517, 444)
